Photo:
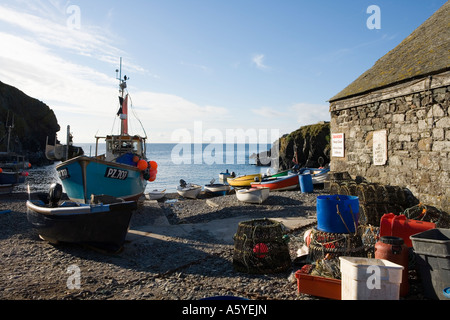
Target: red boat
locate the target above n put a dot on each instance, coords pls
(289, 182)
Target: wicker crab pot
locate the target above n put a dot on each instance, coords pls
(259, 247)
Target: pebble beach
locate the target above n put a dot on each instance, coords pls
(193, 267)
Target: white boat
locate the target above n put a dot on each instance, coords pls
(217, 189)
(155, 194)
(189, 190)
(225, 175)
(253, 195)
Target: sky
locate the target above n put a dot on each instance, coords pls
(198, 69)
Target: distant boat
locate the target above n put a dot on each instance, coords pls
(224, 176)
(289, 182)
(121, 172)
(218, 189)
(188, 190)
(244, 180)
(155, 194)
(253, 195)
(100, 226)
(59, 152)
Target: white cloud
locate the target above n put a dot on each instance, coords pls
(258, 60)
(308, 113)
(267, 112)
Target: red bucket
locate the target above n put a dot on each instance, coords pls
(399, 226)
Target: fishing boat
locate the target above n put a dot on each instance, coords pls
(289, 182)
(155, 194)
(244, 180)
(99, 226)
(121, 172)
(253, 195)
(217, 189)
(188, 190)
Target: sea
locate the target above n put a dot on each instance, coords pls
(194, 163)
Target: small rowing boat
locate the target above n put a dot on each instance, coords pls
(188, 190)
(253, 195)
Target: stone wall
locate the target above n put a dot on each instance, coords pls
(417, 124)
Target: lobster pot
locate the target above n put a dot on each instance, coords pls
(259, 247)
(333, 245)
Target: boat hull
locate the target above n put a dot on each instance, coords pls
(217, 189)
(189, 192)
(289, 182)
(155, 195)
(83, 176)
(102, 227)
(244, 181)
(254, 195)
(318, 175)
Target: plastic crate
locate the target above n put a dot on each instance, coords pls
(370, 279)
(432, 248)
(434, 242)
(318, 286)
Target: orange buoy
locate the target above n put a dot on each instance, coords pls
(142, 165)
(153, 164)
(135, 159)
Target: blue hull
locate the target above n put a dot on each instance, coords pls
(83, 176)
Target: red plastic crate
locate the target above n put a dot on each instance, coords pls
(318, 286)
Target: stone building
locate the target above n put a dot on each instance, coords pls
(392, 124)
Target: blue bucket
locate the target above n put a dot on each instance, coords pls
(328, 218)
(305, 180)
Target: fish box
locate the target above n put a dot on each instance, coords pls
(318, 286)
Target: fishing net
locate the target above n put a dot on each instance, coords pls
(327, 245)
(428, 213)
(259, 247)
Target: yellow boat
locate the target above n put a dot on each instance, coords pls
(244, 181)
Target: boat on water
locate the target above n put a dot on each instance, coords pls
(155, 194)
(188, 190)
(121, 172)
(289, 182)
(99, 226)
(253, 195)
(217, 189)
(244, 181)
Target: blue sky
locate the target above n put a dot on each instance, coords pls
(224, 64)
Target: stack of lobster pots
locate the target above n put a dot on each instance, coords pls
(375, 199)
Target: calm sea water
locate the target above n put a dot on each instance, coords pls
(195, 163)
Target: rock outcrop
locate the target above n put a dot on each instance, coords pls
(308, 146)
(33, 122)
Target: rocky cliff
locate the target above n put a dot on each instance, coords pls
(305, 147)
(33, 122)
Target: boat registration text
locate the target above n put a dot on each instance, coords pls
(114, 173)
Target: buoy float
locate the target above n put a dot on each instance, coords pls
(142, 165)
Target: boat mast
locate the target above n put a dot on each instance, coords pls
(123, 101)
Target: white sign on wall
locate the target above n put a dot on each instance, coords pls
(337, 145)
(379, 147)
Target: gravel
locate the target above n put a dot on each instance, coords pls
(187, 268)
